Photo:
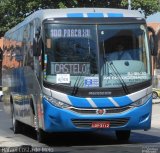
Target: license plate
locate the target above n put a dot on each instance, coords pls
(100, 124)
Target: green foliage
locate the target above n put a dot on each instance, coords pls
(14, 11)
(148, 6)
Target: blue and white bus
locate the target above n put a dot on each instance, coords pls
(63, 71)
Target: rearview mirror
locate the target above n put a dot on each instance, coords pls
(37, 43)
(153, 43)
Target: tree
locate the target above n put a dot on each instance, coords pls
(14, 11)
(148, 6)
(98, 3)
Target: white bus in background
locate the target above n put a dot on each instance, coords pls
(60, 73)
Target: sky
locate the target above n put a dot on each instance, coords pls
(154, 17)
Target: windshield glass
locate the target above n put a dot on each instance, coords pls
(71, 55)
(124, 55)
(89, 56)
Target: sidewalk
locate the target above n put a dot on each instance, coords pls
(156, 115)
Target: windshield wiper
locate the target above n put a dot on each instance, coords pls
(114, 69)
(124, 86)
(76, 84)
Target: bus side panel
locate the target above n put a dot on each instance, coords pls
(33, 103)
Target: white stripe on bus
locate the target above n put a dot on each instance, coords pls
(113, 101)
(91, 102)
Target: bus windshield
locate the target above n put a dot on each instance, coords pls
(90, 56)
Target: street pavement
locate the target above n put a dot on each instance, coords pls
(85, 143)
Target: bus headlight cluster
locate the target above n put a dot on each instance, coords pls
(57, 103)
(141, 101)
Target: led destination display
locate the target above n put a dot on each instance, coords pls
(71, 33)
(70, 68)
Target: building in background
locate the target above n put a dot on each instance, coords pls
(154, 22)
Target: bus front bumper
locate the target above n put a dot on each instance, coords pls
(63, 120)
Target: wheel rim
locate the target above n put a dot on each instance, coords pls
(154, 95)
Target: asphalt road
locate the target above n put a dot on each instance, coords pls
(140, 141)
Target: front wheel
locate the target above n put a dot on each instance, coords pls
(1, 98)
(123, 135)
(41, 136)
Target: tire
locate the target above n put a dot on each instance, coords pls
(17, 127)
(1, 98)
(154, 95)
(123, 135)
(41, 136)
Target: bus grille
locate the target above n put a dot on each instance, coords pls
(84, 123)
(106, 110)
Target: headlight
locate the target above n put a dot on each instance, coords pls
(57, 103)
(141, 101)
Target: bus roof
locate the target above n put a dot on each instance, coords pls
(79, 13)
(84, 12)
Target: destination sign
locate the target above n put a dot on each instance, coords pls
(71, 33)
(70, 68)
